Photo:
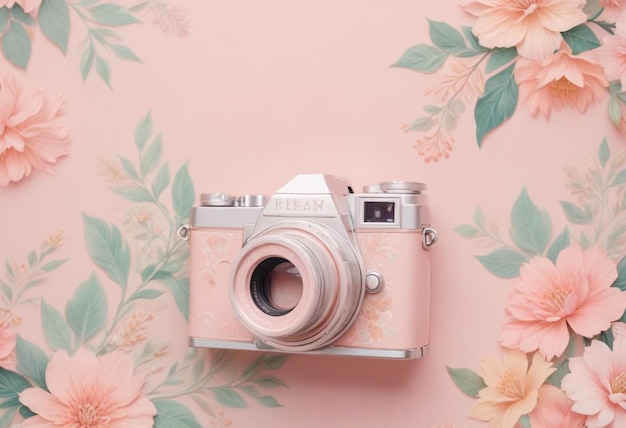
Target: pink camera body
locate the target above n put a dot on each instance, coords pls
(320, 271)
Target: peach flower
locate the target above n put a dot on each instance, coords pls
(549, 299)
(7, 348)
(554, 410)
(29, 6)
(31, 135)
(435, 146)
(533, 26)
(612, 53)
(87, 391)
(512, 388)
(564, 80)
(597, 384)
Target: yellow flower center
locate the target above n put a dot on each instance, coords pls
(91, 415)
(562, 89)
(618, 386)
(510, 386)
(554, 300)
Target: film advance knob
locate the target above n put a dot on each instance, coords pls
(374, 282)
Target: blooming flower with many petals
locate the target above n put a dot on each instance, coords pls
(31, 135)
(564, 80)
(533, 26)
(512, 388)
(87, 391)
(549, 298)
(612, 53)
(597, 384)
(554, 410)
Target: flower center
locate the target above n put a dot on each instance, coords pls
(91, 415)
(510, 386)
(618, 386)
(554, 301)
(562, 89)
(530, 9)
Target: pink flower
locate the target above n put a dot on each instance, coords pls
(29, 6)
(87, 391)
(31, 135)
(597, 384)
(564, 80)
(7, 348)
(554, 410)
(512, 388)
(549, 299)
(612, 53)
(533, 26)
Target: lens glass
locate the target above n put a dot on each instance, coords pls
(276, 286)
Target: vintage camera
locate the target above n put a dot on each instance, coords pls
(315, 269)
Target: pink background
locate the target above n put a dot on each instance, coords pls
(256, 92)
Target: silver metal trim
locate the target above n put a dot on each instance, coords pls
(429, 237)
(395, 354)
(183, 232)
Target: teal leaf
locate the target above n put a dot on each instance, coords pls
(86, 311)
(228, 397)
(422, 124)
(112, 15)
(107, 249)
(55, 328)
(11, 384)
(86, 61)
(620, 178)
(615, 110)
(179, 288)
(129, 168)
(31, 361)
(143, 131)
(500, 57)
(124, 52)
(133, 193)
(604, 153)
(26, 413)
(18, 13)
(4, 18)
(524, 421)
(497, 103)
(560, 243)
(575, 214)
(273, 361)
(447, 38)
(466, 230)
(32, 258)
(620, 282)
(530, 227)
(557, 376)
(581, 39)
(104, 70)
(151, 157)
(6, 290)
(269, 382)
(503, 262)
(608, 337)
(53, 265)
(148, 294)
(171, 414)
(472, 39)
(54, 21)
(479, 217)
(8, 416)
(467, 380)
(268, 401)
(183, 194)
(422, 58)
(161, 181)
(16, 45)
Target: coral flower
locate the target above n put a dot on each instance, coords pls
(7, 348)
(533, 26)
(512, 388)
(554, 410)
(31, 135)
(564, 80)
(597, 384)
(435, 146)
(547, 298)
(87, 391)
(29, 6)
(612, 53)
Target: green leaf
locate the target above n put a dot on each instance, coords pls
(422, 58)
(524, 421)
(472, 39)
(615, 110)
(171, 414)
(8, 416)
(575, 214)
(269, 382)
(497, 103)
(4, 18)
(87, 310)
(273, 361)
(86, 61)
(6, 290)
(151, 157)
(143, 131)
(18, 13)
(107, 249)
(447, 38)
(31, 361)
(503, 262)
(620, 178)
(479, 217)
(500, 57)
(268, 401)
(161, 181)
(54, 21)
(466, 231)
(580, 39)
(55, 329)
(604, 153)
(620, 282)
(556, 377)
(112, 15)
(530, 227)
(145, 294)
(560, 243)
(179, 288)
(133, 193)
(55, 264)
(104, 70)
(124, 52)
(129, 168)
(467, 380)
(16, 45)
(228, 397)
(183, 193)
(608, 337)
(32, 258)
(11, 384)
(422, 124)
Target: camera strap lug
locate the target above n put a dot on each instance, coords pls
(429, 237)
(183, 232)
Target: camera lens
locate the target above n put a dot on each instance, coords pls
(276, 286)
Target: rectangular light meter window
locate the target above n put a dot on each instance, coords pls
(378, 212)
